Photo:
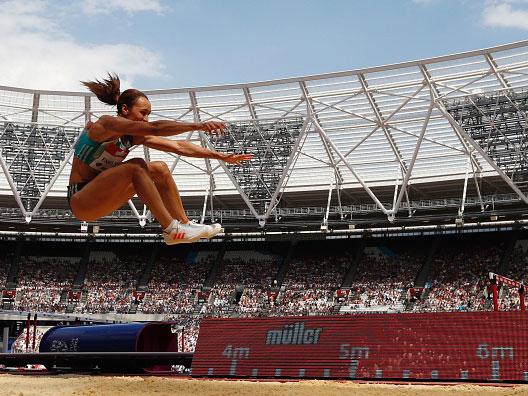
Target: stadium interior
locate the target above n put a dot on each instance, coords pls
(395, 189)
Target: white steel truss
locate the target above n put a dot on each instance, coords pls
(365, 129)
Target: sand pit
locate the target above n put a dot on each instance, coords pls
(99, 385)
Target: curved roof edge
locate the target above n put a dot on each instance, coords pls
(374, 69)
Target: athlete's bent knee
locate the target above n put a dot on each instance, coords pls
(81, 213)
(159, 169)
(137, 162)
(137, 165)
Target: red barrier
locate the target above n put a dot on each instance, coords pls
(449, 345)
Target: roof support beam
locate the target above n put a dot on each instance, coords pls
(493, 65)
(464, 191)
(504, 83)
(482, 208)
(309, 103)
(51, 183)
(325, 137)
(16, 195)
(35, 109)
(411, 164)
(381, 122)
(387, 119)
(243, 195)
(435, 95)
(87, 109)
(475, 166)
(390, 139)
(249, 103)
(287, 171)
(212, 184)
(333, 162)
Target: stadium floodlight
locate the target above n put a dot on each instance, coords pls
(95, 229)
(494, 217)
(84, 226)
(459, 222)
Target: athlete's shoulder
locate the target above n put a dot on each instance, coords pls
(98, 131)
(104, 121)
(105, 118)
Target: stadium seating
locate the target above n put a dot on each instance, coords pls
(244, 284)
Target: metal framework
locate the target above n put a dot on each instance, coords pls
(32, 157)
(497, 122)
(272, 145)
(459, 117)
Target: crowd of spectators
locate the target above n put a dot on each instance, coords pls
(173, 286)
(221, 302)
(41, 282)
(5, 262)
(310, 285)
(254, 302)
(110, 284)
(381, 279)
(252, 276)
(457, 281)
(459, 278)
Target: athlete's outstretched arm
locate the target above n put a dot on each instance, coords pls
(108, 126)
(213, 127)
(187, 149)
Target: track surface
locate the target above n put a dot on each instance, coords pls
(141, 385)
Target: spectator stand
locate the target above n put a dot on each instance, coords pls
(383, 276)
(310, 284)
(43, 282)
(457, 278)
(111, 281)
(243, 283)
(175, 285)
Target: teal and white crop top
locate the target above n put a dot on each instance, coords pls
(104, 155)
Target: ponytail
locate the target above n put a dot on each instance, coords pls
(108, 91)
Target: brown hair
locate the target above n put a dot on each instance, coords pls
(108, 91)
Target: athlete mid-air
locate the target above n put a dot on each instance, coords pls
(101, 181)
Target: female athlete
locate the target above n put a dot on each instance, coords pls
(100, 182)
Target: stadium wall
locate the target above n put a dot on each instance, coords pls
(475, 346)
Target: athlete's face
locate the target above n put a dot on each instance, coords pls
(139, 111)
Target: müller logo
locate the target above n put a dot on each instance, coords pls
(293, 334)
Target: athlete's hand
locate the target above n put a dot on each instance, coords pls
(236, 159)
(213, 127)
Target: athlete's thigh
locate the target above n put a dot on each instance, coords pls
(107, 192)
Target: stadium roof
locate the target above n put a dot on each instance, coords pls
(367, 133)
